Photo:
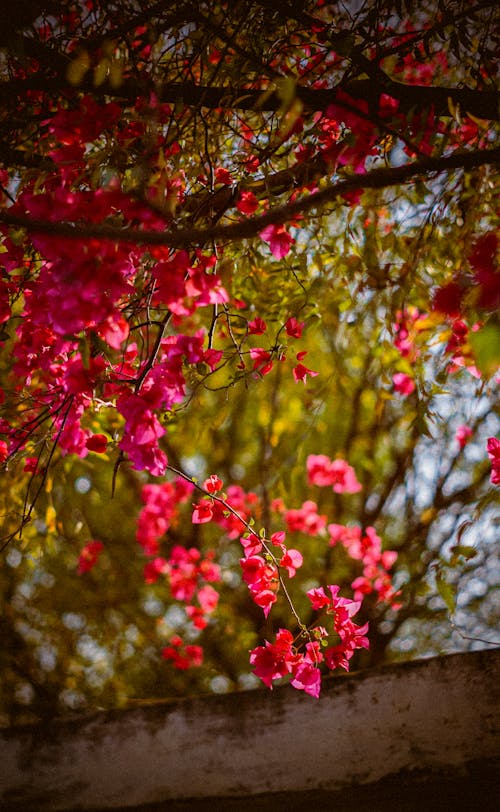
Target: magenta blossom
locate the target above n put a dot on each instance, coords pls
(403, 384)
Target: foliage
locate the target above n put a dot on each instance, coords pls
(249, 314)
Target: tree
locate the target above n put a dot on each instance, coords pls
(199, 203)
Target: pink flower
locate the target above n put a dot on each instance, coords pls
(202, 513)
(4, 451)
(160, 509)
(493, 447)
(344, 478)
(388, 558)
(89, 555)
(279, 240)
(197, 617)
(323, 471)
(153, 569)
(368, 550)
(351, 635)
(97, 443)
(261, 579)
(463, 435)
(223, 176)
(265, 598)
(257, 326)
(261, 360)
(318, 598)
(350, 537)
(114, 331)
(31, 466)
(247, 203)
(278, 539)
(194, 656)
(273, 661)
(257, 573)
(294, 328)
(336, 657)
(208, 598)
(213, 484)
(300, 373)
(252, 545)
(141, 434)
(182, 657)
(403, 384)
(307, 678)
(266, 664)
(305, 519)
(319, 470)
(291, 560)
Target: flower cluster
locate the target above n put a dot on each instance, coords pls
(467, 297)
(159, 511)
(323, 471)
(285, 657)
(182, 656)
(409, 322)
(188, 574)
(367, 548)
(81, 299)
(281, 658)
(261, 575)
(460, 350)
(263, 570)
(305, 519)
(484, 282)
(186, 571)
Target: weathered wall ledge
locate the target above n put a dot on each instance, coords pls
(373, 740)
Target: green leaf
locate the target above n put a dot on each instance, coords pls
(78, 68)
(486, 346)
(447, 592)
(84, 349)
(465, 550)
(286, 89)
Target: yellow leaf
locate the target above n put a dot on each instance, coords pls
(454, 110)
(50, 518)
(116, 72)
(481, 122)
(428, 516)
(78, 68)
(101, 71)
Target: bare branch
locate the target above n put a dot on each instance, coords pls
(181, 238)
(484, 104)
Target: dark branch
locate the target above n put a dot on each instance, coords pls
(483, 104)
(181, 238)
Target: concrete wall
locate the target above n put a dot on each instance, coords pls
(373, 740)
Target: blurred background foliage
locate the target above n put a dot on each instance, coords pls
(71, 642)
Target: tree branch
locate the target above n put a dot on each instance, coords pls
(483, 104)
(185, 237)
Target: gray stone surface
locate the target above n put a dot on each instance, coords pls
(370, 737)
